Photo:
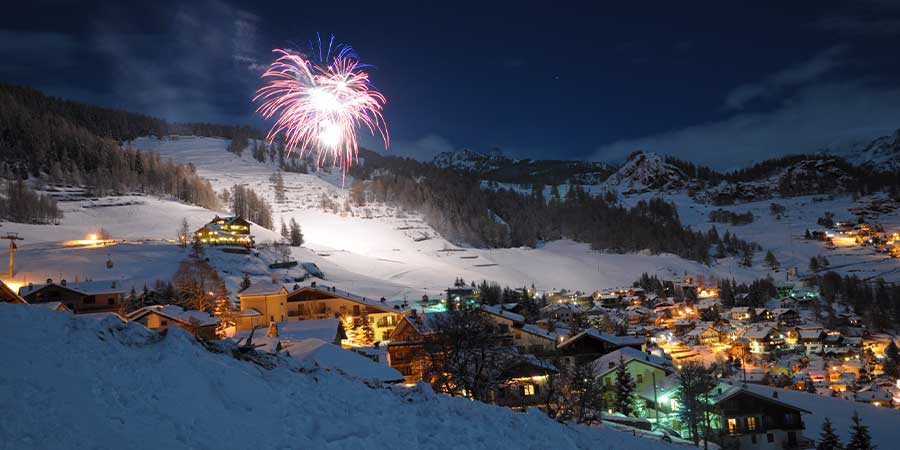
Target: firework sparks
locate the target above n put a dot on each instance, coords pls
(320, 106)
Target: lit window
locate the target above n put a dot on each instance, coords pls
(527, 390)
(732, 425)
(751, 423)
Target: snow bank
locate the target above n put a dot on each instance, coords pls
(68, 382)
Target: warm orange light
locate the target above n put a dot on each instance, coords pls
(92, 237)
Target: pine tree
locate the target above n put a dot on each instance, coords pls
(624, 401)
(813, 264)
(828, 440)
(747, 258)
(860, 439)
(285, 232)
(245, 282)
(771, 260)
(296, 234)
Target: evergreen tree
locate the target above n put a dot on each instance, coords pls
(860, 439)
(222, 310)
(245, 282)
(296, 234)
(624, 400)
(813, 264)
(285, 232)
(747, 257)
(828, 440)
(771, 260)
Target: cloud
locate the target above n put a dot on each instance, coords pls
(792, 76)
(815, 118)
(181, 70)
(861, 26)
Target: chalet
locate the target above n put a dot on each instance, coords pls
(755, 418)
(704, 334)
(786, 317)
(8, 295)
(318, 302)
(506, 319)
(812, 339)
(645, 369)
(530, 338)
(763, 315)
(743, 314)
(524, 384)
(763, 338)
(592, 344)
(161, 317)
(560, 311)
(406, 349)
(232, 230)
(86, 297)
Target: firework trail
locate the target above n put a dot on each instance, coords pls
(320, 105)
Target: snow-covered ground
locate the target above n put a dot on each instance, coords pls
(784, 236)
(83, 382)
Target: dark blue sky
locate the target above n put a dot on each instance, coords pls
(719, 82)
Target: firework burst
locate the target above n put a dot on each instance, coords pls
(320, 106)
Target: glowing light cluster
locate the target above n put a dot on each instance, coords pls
(320, 105)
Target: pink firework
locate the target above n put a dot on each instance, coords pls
(320, 107)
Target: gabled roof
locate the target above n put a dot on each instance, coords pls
(178, 314)
(535, 330)
(500, 312)
(593, 333)
(264, 289)
(58, 306)
(628, 354)
(733, 390)
(83, 288)
(334, 292)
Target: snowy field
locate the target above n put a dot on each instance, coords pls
(125, 388)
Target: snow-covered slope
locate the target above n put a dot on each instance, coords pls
(78, 382)
(644, 172)
(882, 154)
(380, 251)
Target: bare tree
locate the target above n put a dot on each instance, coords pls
(466, 354)
(183, 234)
(197, 285)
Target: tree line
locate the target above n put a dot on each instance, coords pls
(456, 206)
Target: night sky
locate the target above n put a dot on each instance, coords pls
(718, 83)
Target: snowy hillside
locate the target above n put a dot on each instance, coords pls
(644, 172)
(80, 382)
(882, 154)
(380, 251)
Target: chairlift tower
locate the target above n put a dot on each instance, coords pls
(12, 237)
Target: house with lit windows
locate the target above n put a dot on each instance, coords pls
(232, 230)
(645, 369)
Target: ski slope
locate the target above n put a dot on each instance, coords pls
(379, 248)
(83, 382)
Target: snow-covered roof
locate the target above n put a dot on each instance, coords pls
(759, 332)
(612, 339)
(330, 357)
(84, 287)
(500, 312)
(264, 289)
(177, 313)
(533, 329)
(52, 305)
(332, 291)
(627, 354)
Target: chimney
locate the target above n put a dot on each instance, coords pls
(62, 282)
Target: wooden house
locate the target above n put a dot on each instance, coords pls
(161, 317)
(85, 297)
(320, 302)
(406, 349)
(751, 418)
(592, 344)
(524, 384)
(232, 230)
